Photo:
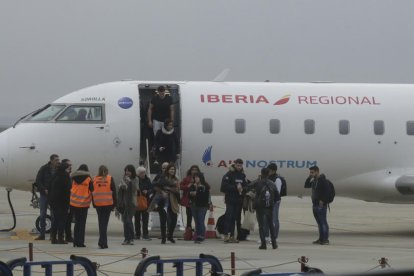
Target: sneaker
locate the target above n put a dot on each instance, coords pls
(146, 238)
(131, 242)
(40, 238)
(226, 238)
(318, 241)
(233, 240)
(325, 242)
(125, 242)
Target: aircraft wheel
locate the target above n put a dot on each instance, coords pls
(48, 223)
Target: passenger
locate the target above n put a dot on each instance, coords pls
(59, 202)
(185, 187)
(266, 196)
(160, 109)
(144, 189)
(167, 146)
(104, 200)
(171, 185)
(273, 176)
(233, 186)
(320, 193)
(127, 202)
(162, 173)
(80, 200)
(81, 115)
(43, 182)
(158, 203)
(200, 201)
(68, 227)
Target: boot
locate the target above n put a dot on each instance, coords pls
(263, 246)
(274, 244)
(53, 239)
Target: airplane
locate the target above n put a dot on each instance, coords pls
(360, 135)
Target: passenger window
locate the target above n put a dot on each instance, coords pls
(410, 127)
(207, 125)
(344, 127)
(274, 126)
(240, 125)
(379, 128)
(309, 126)
(47, 114)
(82, 113)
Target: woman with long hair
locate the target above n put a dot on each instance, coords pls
(127, 202)
(172, 186)
(200, 201)
(104, 201)
(185, 199)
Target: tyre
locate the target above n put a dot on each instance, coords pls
(48, 223)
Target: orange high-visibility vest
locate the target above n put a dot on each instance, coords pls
(102, 193)
(80, 196)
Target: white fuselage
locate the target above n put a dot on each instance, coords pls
(362, 164)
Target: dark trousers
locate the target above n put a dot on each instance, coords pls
(163, 222)
(144, 215)
(199, 214)
(68, 228)
(104, 213)
(60, 215)
(80, 215)
(128, 226)
(171, 222)
(230, 215)
(320, 216)
(189, 214)
(265, 220)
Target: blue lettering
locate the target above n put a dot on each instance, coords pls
(262, 164)
(290, 164)
(302, 165)
(310, 164)
(251, 163)
(281, 163)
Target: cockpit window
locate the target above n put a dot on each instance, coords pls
(46, 114)
(82, 113)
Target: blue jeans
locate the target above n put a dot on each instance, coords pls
(199, 214)
(264, 218)
(43, 212)
(320, 216)
(128, 226)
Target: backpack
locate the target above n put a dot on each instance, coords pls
(220, 224)
(283, 188)
(266, 196)
(331, 191)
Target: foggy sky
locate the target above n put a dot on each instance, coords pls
(50, 48)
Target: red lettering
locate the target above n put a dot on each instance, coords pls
(365, 100)
(374, 102)
(222, 164)
(202, 98)
(241, 98)
(352, 99)
(262, 99)
(213, 98)
(303, 99)
(343, 99)
(313, 100)
(226, 99)
(251, 99)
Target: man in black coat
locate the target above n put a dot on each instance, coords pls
(320, 195)
(43, 182)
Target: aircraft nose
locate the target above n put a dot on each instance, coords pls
(4, 155)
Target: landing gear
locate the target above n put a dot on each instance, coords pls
(35, 204)
(48, 223)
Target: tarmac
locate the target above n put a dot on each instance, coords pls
(361, 233)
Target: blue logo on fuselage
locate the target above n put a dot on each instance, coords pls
(125, 102)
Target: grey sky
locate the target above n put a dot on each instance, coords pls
(50, 48)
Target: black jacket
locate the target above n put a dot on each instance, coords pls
(59, 195)
(320, 189)
(44, 178)
(145, 184)
(169, 141)
(229, 185)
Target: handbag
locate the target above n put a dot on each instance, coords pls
(142, 202)
(249, 221)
